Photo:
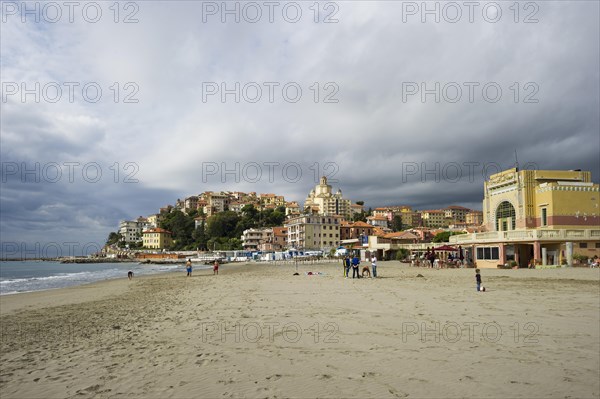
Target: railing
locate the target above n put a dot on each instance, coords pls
(491, 235)
(549, 233)
(518, 234)
(575, 233)
(527, 235)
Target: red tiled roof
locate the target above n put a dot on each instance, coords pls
(361, 224)
(378, 232)
(404, 235)
(157, 230)
(377, 218)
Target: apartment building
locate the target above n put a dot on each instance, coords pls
(157, 238)
(257, 239)
(434, 218)
(314, 232)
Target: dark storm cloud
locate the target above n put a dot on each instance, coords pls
(387, 147)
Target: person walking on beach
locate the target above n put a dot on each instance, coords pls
(188, 267)
(346, 266)
(355, 263)
(216, 267)
(461, 256)
(374, 265)
(130, 275)
(432, 257)
(478, 279)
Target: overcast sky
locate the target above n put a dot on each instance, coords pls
(394, 106)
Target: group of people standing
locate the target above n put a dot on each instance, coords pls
(430, 258)
(354, 262)
(188, 267)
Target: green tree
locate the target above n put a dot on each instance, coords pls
(396, 223)
(402, 254)
(234, 244)
(182, 227)
(360, 217)
(199, 236)
(223, 224)
(224, 244)
(270, 218)
(445, 235)
(113, 238)
(249, 211)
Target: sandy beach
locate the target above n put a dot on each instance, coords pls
(259, 331)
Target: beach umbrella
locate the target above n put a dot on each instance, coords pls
(446, 248)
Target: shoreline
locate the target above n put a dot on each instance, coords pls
(70, 295)
(330, 265)
(256, 330)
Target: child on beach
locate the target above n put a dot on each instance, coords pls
(478, 279)
(216, 267)
(188, 267)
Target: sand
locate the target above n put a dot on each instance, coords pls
(258, 331)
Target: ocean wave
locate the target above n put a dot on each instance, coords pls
(15, 283)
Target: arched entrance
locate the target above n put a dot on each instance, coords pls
(505, 217)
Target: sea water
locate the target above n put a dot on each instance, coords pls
(28, 276)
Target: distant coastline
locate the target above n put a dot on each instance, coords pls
(72, 260)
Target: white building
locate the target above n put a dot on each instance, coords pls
(327, 203)
(253, 239)
(131, 231)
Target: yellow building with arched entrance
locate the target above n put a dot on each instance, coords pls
(545, 215)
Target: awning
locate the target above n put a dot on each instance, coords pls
(447, 248)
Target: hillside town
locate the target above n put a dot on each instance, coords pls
(527, 216)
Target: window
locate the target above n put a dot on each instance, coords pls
(488, 253)
(583, 245)
(598, 245)
(505, 216)
(544, 217)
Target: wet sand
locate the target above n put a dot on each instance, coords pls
(260, 331)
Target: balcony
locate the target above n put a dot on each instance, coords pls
(527, 235)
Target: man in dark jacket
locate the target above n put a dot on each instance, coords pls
(355, 263)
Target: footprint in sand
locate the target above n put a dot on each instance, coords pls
(397, 394)
(369, 374)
